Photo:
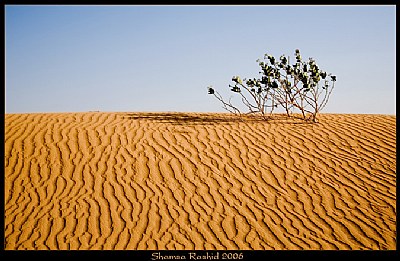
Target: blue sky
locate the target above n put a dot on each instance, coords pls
(162, 58)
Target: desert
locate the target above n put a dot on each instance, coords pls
(199, 181)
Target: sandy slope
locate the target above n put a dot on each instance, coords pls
(199, 181)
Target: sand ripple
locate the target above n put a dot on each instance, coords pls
(147, 181)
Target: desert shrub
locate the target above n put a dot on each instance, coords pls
(301, 86)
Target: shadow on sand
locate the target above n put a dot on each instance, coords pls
(209, 118)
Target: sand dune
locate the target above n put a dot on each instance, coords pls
(155, 181)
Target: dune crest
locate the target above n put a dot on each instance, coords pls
(194, 181)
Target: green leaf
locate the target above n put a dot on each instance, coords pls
(237, 79)
(271, 59)
(283, 60)
(235, 89)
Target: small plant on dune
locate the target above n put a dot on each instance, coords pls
(301, 86)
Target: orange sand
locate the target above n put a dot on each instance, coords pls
(155, 181)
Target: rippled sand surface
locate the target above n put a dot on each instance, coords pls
(155, 181)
